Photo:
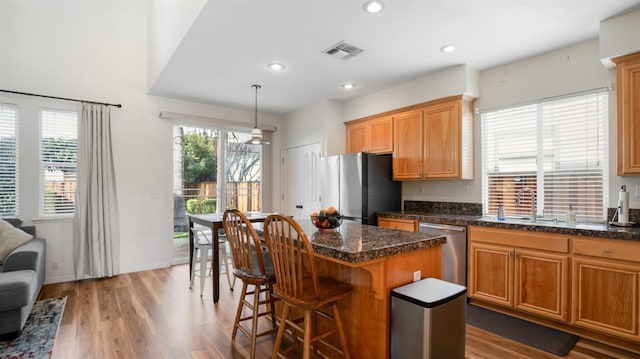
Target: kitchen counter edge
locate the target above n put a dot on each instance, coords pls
(583, 230)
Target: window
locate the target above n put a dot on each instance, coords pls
(58, 161)
(205, 167)
(213, 170)
(8, 161)
(243, 172)
(558, 148)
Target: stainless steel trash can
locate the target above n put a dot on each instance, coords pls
(428, 320)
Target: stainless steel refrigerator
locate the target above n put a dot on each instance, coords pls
(359, 185)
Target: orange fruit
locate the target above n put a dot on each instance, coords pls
(330, 210)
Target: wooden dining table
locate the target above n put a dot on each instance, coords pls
(214, 222)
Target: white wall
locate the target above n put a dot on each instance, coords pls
(169, 21)
(568, 70)
(98, 51)
(320, 122)
(456, 80)
(619, 36)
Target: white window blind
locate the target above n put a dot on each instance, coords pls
(8, 161)
(557, 147)
(58, 161)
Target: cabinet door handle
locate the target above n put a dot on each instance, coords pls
(607, 251)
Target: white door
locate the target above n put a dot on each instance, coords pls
(301, 190)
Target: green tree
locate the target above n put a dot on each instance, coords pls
(200, 156)
(59, 150)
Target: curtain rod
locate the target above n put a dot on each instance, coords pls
(61, 98)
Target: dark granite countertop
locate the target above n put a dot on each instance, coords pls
(354, 242)
(600, 230)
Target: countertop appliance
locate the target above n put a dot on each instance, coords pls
(359, 185)
(454, 252)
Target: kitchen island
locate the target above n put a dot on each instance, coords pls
(373, 260)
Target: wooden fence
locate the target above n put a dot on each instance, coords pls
(244, 196)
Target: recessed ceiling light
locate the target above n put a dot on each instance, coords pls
(373, 7)
(275, 66)
(348, 85)
(448, 48)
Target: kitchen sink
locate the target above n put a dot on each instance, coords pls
(546, 222)
(551, 222)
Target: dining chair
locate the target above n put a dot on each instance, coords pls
(202, 245)
(301, 288)
(252, 264)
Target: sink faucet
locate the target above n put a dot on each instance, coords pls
(533, 201)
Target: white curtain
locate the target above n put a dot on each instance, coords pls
(96, 244)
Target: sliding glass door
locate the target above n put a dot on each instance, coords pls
(213, 170)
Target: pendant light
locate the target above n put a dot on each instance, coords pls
(256, 133)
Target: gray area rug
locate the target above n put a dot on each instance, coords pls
(36, 339)
(544, 338)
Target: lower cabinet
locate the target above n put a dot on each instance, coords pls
(595, 286)
(491, 273)
(521, 270)
(605, 294)
(542, 284)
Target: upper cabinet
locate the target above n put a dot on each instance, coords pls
(628, 83)
(373, 135)
(408, 150)
(434, 141)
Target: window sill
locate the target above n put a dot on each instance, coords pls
(52, 219)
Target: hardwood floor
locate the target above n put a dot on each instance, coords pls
(153, 314)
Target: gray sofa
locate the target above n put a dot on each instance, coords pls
(21, 278)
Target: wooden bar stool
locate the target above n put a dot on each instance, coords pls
(253, 266)
(299, 286)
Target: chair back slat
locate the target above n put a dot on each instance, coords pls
(244, 243)
(292, 257)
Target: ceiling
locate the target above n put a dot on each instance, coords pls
(231, 42)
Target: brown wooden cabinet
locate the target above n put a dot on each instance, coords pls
(408, 152)
(541, 283)
(628, 86)
(491, 273)
(434, 141)
(521, 270)
(396, 223)
(373, 135)
(442, 140)
(594, 287)
(605, 281)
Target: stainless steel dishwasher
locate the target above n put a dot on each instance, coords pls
(454, 252)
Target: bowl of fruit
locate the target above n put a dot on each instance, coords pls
(327, 220)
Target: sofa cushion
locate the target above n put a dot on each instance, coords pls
(16, 289)
(10, 238)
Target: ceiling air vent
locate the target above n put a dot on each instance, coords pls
(343, 51)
